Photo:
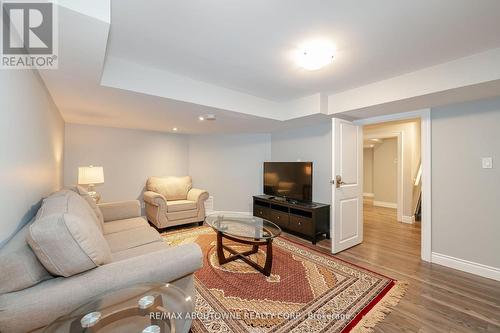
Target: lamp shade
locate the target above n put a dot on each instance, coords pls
(90, 175)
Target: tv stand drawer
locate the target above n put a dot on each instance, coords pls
(279, 218)
(301, 225)
(261, 212)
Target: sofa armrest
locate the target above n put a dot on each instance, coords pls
(155, 199)
(46, 301)
(197, 195)
(120, 210)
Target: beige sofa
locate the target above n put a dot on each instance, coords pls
(74, 250)
(172, 201)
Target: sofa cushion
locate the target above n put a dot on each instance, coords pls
(64, 237)
(180, 205)
(128, 239)
(92, 204)
(20, 267)
(140, 250)
(127, 224)
(97, 211)
(172, 188)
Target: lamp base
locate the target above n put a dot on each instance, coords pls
(95, 196)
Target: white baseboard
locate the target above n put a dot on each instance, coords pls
(228, 212)
(369, 195)
(408, 219)
(466, 266)
(385, 204)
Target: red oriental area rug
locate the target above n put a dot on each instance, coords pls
(307, 291)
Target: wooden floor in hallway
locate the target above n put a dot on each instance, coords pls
(439, 299)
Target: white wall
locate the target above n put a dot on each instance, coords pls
(465, 197)
(129, 157)
(230, 167)
(31, 147)
(385, 171)
(306, 144)
(368, 170)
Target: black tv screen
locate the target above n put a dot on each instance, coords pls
(290, 180)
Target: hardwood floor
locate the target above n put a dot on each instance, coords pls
(439, 299)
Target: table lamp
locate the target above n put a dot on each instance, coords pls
(91, 175)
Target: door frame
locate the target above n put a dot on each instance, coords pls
(425, 142)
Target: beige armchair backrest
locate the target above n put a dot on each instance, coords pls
(172, 188)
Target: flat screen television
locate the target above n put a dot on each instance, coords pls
(289, 180)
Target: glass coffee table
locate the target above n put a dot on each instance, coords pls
(147, 308)
(248, 230)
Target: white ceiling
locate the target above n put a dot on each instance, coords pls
(157, 66)
(246, 45)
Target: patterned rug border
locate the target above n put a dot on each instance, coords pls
(372, 314)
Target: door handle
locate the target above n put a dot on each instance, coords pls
(338, 181)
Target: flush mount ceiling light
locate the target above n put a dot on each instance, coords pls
(175, 129)
(201, 118)
(315, 54)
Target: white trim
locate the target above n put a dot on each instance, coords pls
(385, 204)
(426, 219)
(369, 195)
(466, 266)
(229, 212)
(391, 117)
(408, 219)
(425, 133)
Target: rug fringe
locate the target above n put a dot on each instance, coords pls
(381, 309)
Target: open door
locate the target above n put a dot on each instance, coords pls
(347, 185)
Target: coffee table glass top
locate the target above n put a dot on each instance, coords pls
(243, 226)
(142, 308)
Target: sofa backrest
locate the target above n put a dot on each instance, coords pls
(172, 188)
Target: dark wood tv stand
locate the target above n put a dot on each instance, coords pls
(307, 220)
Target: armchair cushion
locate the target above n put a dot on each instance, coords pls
(120, 210)
(172, 188)
(180, 205)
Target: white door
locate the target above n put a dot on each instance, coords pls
(347, 185)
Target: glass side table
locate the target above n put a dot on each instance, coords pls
(148, 308)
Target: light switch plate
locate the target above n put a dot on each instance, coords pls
(487, 162)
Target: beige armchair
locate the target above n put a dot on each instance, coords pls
(172, 201)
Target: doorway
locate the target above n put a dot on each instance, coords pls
(347, 189)
(391, 182)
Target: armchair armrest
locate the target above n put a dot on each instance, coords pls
(155, 199)
(197, 195)
(120, 210)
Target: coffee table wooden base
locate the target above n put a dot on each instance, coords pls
(266, 269)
